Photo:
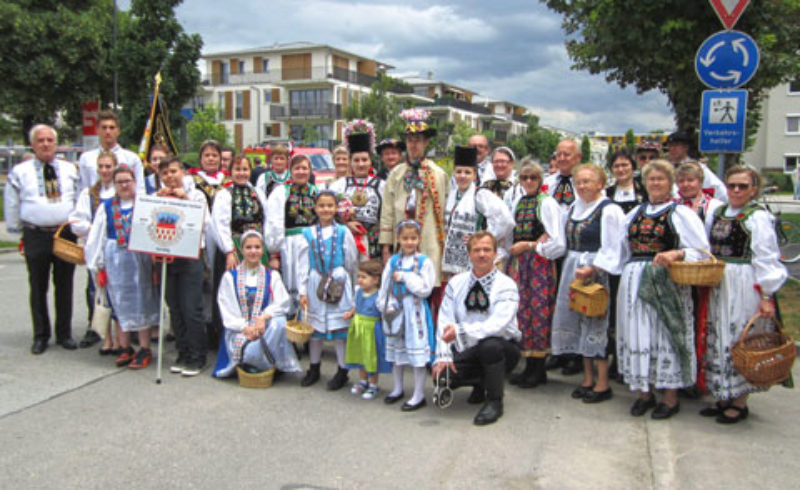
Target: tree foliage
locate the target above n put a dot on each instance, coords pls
(380, 108)
(652, 46)
(53, 57)
(150, 40)
(537, 141)
(630, 141)
(586, 149)
(205, 126)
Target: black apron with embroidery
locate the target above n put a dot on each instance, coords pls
(651, 234)
(584, 235)
(299, 207)
(246, 210)
(730, 239)
(528, 227)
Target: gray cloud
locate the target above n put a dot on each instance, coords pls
(506, 49)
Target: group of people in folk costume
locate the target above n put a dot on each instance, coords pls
(408, 266)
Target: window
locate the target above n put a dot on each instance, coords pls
(268, 130)
(221, 104)
(224, 72)
(267, 96)
(790, 163)
(239, 114)
(241, 66)
(793, 124)
(423, 91)
(794, 86)
(312, 102)
(264, 66)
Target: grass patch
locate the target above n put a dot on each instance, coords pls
(789, 301)
(4, 244)
(793, 217)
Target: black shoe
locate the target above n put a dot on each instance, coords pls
(597, 396)
(538, 375)
(530, 367)
(407, 407)
(193, 368)
(39, 346)
(89, 339)
(311, 377)
(574, 365)
(489, 412)
(554, 362)
(478, 395)
(339, 380)
(741, 414)
(581, 391)
(392, 399)
(179, 365)
(642, 405)
(664, 411)
(68, 343)
(715, 409)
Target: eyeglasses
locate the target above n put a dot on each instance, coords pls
(737, 187)
(645, 158)
(523, 178)
(501, 160)
(123, 182)
(621, 165)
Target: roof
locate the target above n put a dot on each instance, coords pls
(289, 47)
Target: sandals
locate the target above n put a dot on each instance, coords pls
(741, 414)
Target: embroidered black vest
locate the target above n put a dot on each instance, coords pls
(208, 190)
(498, 187)
(528, 227)
(584, 235)
(639, 195)
(246, 210)
(299, 207)
(649, 235)
(730, 239)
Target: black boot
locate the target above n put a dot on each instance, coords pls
(537, 377)
(574, 365)
(529, 367)
(478, 395)
(339, 379)
(493, 379)
(312, 375)
(554, 362)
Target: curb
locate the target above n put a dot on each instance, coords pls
(8, 250)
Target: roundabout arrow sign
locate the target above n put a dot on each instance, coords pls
(727, 59)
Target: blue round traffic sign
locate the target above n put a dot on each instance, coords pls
(727, 59)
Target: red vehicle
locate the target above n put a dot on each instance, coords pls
(321, 159)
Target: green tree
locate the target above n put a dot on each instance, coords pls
(630, 141)
(537, 141)
(586, 149)
(462, 132)
(151, 40)
(379, 107)
(205, 126)
(53, 57)
(652, 46)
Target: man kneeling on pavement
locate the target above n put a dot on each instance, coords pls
(477, 329)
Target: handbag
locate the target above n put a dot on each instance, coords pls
(330, 290)
(101, 315)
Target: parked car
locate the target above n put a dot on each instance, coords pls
(321, 159)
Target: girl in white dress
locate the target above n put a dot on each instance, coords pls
(407, 281)
(329, 258)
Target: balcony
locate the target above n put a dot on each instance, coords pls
(329, 110)
(353, 76)
(457, 104)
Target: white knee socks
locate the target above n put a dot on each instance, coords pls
(420, 375)
(397, 374)
(315, 350)
(340, 344)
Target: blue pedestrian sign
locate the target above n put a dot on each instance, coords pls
(727, 59)
(722, 121)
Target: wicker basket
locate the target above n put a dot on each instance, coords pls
(66, 250)
(299, 331)
(255, 380)
(764, 359)
(588, 299)
(700, 273)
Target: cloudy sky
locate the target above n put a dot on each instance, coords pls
(504, 49)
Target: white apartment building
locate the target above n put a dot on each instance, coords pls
(274, 92)
(777, 145)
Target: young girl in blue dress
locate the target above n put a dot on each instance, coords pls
(327, 265)
(366, 344)
(407, 281)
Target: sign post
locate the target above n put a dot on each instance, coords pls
(166, 228)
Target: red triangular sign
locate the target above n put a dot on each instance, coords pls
(729, 11)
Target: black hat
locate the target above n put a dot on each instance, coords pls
(465, 156)
(390, 143)
(680, 137)
(357, 142)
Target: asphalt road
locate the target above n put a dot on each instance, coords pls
(72, 420)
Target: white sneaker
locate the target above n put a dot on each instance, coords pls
(358, 388)
(371, 392)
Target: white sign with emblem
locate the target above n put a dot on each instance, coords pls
(167, 226)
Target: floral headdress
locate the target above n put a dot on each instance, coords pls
(416, 122)
(354, 135)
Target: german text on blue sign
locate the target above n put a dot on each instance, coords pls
(727, 59)
(722, 121)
